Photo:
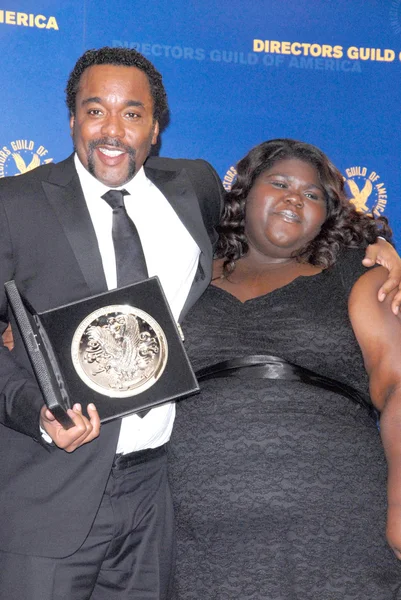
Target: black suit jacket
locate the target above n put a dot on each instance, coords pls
(48, 497)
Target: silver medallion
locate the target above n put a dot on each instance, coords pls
(119, 351)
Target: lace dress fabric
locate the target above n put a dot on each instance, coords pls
(280, 487)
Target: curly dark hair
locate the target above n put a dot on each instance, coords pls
(120, 57)
(344, 227)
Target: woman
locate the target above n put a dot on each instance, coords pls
(277, 467)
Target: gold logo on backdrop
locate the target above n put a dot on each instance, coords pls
(10, 17)
(366, 190)
(22, 156)
(360, 197)
(20, 163)
(229, 178)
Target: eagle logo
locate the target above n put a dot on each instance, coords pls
(23, 167)
(360, 197)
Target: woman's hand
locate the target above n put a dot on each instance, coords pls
(385, 254)
(8, 340)
(394, 528)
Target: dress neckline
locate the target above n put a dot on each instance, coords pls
(300, 279)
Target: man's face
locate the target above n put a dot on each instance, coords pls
(113, 127)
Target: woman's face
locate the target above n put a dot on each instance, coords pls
(285, 208)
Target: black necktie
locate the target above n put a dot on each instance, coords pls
(130, 260)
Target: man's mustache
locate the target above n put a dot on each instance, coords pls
(111, 142)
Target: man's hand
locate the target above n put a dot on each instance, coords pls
(384, 254)
(84, 431)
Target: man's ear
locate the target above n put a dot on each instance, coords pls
(72, 121)
(155, 135)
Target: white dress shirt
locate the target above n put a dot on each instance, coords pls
(170, 253)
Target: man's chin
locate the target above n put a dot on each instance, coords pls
(113, 182)
(110, 177)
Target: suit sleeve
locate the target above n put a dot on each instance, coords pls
(20, 397)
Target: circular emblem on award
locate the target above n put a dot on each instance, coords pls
(119, 351)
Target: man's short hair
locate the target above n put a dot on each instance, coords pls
(126, 57)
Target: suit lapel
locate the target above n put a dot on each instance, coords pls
(65, 195)
(177, 188)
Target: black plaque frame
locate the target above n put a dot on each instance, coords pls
(47, 337)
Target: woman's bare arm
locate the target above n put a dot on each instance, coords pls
(378, 332)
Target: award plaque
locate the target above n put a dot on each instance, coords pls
(120, 350)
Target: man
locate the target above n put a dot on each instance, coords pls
(79, 519)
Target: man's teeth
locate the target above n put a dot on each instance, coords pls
(112, 153)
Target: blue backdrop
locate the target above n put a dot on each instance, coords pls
(237, 73)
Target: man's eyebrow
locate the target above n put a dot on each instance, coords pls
(134, 103)
(98, 100)
(92, 99)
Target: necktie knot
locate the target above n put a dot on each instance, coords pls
(115, 198)
(130, 259)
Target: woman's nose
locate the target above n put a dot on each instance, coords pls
(295, 199)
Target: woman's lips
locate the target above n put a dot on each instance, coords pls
(289, 216)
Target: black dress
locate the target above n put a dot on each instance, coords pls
(280, 487)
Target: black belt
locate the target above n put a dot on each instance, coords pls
(124, 461)
(273, 367)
